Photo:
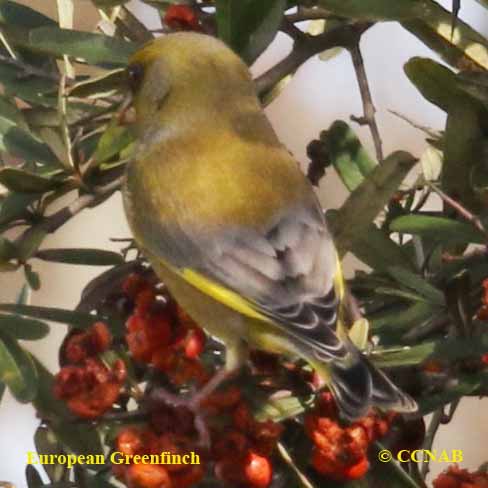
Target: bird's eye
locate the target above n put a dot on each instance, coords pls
(135, 73)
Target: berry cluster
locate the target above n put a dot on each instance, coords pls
(87, 385)
(241, 446)
(161, 334)
(141, 441)
(340, 453)
(455, 477)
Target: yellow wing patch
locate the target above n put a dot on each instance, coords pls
(222, 294)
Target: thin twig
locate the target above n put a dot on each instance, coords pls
(460, 209)
(28, 69)
(308, 13)
(369, 110)
(53, 222)
(307, 47)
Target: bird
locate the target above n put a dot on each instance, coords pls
(232, 226)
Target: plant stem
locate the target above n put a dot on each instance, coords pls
(307, 47)
(368, 117)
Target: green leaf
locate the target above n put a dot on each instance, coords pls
(90, 257)
(417, 284)
(7, 250)
(369, 198)
(375, 248)
(441, 228)
(464, 139)
(10, 112)
(29, 242)
(375, 9)
(14, 13)
(402, 356)
(96, 49)
(113, 140)
(17, 370)
(32, 477)
(462, 47)
(347, 154)
(249, 26)
(23, 328)
(46, 443)
(107, 84)
(18, 180)
(53, 314)
(34, 90)
(435, 82)
(415, 314)
(32, 277)
(14, 206)
(23, 144)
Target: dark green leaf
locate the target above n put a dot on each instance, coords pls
(23, 144)
(10, 112)
(403, 356)
(95, 49)
(14, 206)
(441, 228)
(2, 389)
(14, 13)
(91, 257)
(350, 159)
(437, 83)
(29, 242)
(464, 139)
(415, 314)
(49, 313)
(7, 249)
(22, 181)
(417, 284)
(17, 369)
(369, 198)
(32, 277)
(37, 91)
(249, 26)
(23, 328)
(33, 478)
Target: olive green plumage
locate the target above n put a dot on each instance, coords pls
(230, 223)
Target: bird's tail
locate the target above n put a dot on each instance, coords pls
(358, 385)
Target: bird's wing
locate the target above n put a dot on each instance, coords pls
(283, 274)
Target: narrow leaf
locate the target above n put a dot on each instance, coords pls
(90, 257)
(23, 328)
(17, 370)
(22, 181)
(440, 228)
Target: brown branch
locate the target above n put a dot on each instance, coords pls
(369, 110)
(460, 209)
(307, 47)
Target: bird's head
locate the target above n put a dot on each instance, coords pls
(189, 70)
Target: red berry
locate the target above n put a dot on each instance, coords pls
(195, 343)
(484, 358)
(147, 476)
(357, 470)
(181, 17)
(258, 470)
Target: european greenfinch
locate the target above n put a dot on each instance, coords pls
(231, 225)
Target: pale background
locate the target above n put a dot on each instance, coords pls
(320, 93)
